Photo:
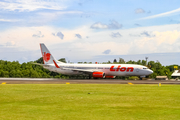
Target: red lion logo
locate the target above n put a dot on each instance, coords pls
(46, 56)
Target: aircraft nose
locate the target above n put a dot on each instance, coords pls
(150, 71)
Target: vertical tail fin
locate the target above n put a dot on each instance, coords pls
(47, 56)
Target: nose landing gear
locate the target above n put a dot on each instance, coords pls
(141, 77)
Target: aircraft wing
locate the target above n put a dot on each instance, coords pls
(80, 70)
(45, 66)
(89, 71)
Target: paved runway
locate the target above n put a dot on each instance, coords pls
(81, 81)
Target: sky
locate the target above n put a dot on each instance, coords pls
(91, 30)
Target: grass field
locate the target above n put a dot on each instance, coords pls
(89, 101)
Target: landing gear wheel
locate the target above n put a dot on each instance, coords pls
(89, 77)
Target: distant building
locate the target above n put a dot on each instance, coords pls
(161, 78)
(176, 74)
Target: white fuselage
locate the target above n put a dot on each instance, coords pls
(108, 69)
(94, 70)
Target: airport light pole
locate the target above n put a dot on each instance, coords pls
(146, 60)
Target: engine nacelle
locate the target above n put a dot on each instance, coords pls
(110, 76)
(98, 75)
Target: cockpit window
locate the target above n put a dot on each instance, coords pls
(144, 68)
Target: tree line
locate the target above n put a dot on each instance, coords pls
(30, 70)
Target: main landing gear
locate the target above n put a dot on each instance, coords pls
(89, 77)
(141, 77)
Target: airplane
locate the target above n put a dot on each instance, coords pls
(92, 70)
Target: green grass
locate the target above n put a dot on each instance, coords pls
(105, 101)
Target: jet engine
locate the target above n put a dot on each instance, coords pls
(98, 75)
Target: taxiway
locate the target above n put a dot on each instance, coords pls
(81, 81)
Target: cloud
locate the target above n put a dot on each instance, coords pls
(9, 20)
(113, 25)
(99, 25)
(166, 38)
(143, 34)
(38, 35)
(81, 2)
(60, 35)
(11, 53)
(11, 43)
(44, 17)
(78, 36)
(115, 35)
(137, 24)
(50, 14)
(139, 10)
(107, 51)
(162, 14)
(86, 15)
(167, 41)
(134, 35)
(147, 34)
(31, 5)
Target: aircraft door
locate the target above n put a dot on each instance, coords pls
(137, 69)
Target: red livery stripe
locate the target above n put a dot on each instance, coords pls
(56, 64)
